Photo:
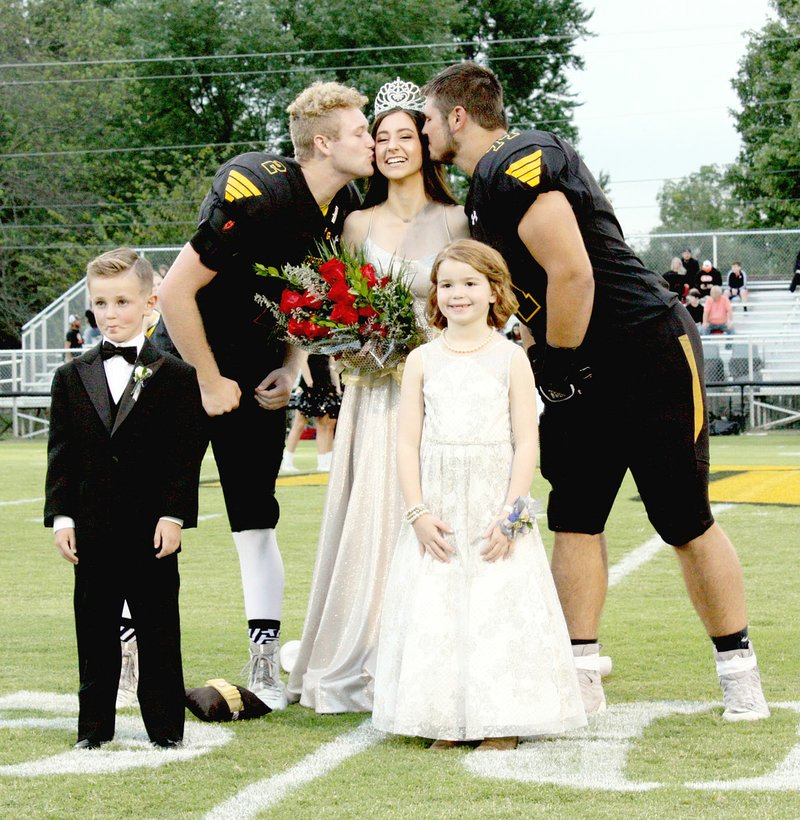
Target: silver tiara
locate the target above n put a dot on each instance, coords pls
(398, 94)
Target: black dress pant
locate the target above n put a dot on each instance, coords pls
(150, 586)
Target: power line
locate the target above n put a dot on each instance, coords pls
(257, 72)
(539, 38)
(70, 205)
(193, 146)
(10, 226)
(143, 149)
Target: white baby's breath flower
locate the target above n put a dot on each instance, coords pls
(140, 375)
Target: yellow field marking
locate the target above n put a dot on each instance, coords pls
(302, 480)
(307, 480)
(755, 485)
(750, 485)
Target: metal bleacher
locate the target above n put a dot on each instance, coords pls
(759, 364)
(26, 374)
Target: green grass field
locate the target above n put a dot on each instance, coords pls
(661, 750)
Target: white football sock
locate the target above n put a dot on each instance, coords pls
(261, 566)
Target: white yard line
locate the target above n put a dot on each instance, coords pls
(265, 793)
(641, 555)
(21, 501)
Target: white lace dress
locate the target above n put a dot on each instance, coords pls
(335, 665)
(470, 649)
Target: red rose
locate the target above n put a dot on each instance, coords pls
(332, 271)
(298, 328)
(367, 311)
(368, 272)
(290, 300)
(372, 327)
(344, 313)
(385, 281)
(311, 300)
(339, 292)
(315, 331)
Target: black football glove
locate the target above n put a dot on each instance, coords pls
(561, 374)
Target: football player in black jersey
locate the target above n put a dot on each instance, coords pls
(618, 362)
(269, 209)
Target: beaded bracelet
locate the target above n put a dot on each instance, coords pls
(415, 512)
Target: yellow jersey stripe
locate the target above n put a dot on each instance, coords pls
(233, 191)
(244, 182)
(528, 169)
(238, 186)
(533, 175)
(697, 390)
(527, 163)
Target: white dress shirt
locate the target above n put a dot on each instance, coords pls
(118, 371)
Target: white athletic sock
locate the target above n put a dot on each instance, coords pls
(262, 573)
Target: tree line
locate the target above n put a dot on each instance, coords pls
(114, 114)
(762, 188)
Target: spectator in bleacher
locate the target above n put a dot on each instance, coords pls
(796, 277)
(694, 306)
(74, 338)
(737, 284)
(691, 266)
(93, 333)
(151, 320)
(676, 278)
(717, 313)
(708, 277)
(515, 333)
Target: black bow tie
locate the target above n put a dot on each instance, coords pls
(107, 350)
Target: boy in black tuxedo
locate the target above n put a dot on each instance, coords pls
(118, 521)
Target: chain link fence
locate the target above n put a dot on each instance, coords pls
(767, 255)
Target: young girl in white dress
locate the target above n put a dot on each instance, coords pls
(408, 216)
(473, 644)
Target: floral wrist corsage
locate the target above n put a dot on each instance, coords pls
(520, 519)
(140, 375)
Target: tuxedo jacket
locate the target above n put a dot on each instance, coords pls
(117, 476)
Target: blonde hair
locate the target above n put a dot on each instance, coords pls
(314, 112)
(484, 260)
(120, 261)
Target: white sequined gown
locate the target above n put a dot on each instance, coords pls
(470, 649)
(335, 666)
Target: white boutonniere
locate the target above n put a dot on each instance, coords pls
(140, 376)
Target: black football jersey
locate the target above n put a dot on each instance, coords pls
(505, 183)
(259, 209)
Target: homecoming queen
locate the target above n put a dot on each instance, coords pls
(408, 216)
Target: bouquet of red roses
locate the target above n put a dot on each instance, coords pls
(338, 305)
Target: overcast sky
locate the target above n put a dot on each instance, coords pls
(656, 93)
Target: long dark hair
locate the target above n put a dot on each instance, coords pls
(436, 188)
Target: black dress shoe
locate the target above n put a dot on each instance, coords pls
(88, 743)
(167, 743)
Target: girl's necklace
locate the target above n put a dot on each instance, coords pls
(469, 349)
